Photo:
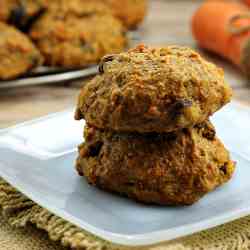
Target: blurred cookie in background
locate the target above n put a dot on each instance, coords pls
(75, 37)
(130, 12)
(6, 8)
(17, 53)
(21, 13)
(70, 34)
(80, 8)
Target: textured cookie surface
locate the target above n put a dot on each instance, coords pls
(73, 37)
(17, 53)
(153, 90)
(173, 169)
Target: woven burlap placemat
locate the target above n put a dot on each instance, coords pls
(25, 225)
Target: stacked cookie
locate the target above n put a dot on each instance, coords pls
(148, 135)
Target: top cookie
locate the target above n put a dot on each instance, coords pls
(153, 89)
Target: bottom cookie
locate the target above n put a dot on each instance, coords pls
(168, 169)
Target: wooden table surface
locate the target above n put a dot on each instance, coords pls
(168, 22)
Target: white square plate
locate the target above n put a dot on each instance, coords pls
(38, 158)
